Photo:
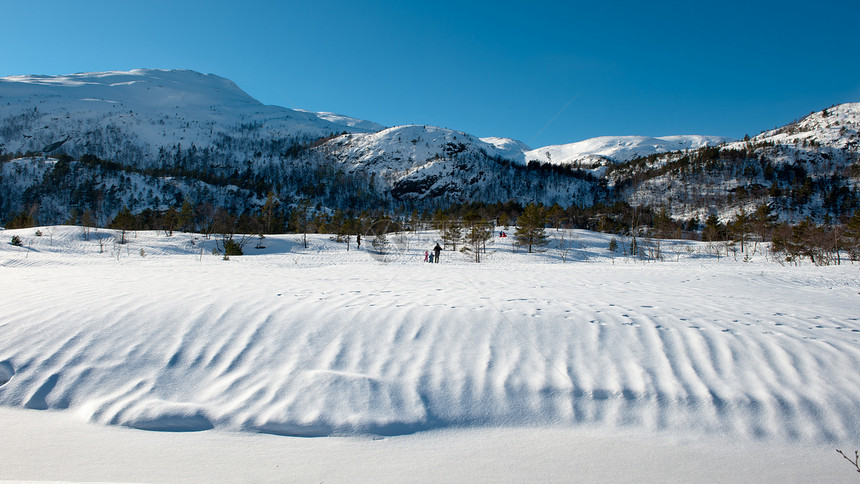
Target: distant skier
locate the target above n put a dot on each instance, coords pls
(358, 240)
(437, 250)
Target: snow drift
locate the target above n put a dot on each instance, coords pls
(159, 334)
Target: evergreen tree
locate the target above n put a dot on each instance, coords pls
(124, 221)
(554, 215)
(170, 221)
(270, 216)
(763, 221)
(300, 220)
(186, 216)
(663, 224)
(713, 228)
(530, 227)
(740, 227)
(452, 234)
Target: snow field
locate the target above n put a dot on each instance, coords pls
(325, 342)
(53, 446)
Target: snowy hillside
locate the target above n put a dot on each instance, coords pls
(509, 149)
(139, 112)
(598, 151)
(837, 127)
(427, 162)
(808, 168)
(340, 119)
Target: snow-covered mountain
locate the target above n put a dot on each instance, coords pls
(132, 115)
(426, 162)
(836, 127)
(146, 127)
(598, 151)
(808, 168)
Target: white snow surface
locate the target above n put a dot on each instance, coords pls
(618, 149)
(55, 446)
(161, 334)
(324, 341)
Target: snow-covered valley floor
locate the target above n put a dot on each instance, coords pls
(519, 367)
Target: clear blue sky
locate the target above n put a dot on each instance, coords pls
(542, 72)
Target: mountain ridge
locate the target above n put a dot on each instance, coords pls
(151, 125)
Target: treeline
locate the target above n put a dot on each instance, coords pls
(821, 244)
(471, 223)
(54, 188)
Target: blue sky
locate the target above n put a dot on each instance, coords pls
(542, 72)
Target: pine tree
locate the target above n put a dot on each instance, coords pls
(763, 221)
(554, 215)
(124, 221)
(300, 220)
(270, 216)
(170, 221)
(186, 216)
(713, 228)
(452, 234)
(530, 227)
(740, 227)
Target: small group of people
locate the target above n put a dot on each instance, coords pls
(433, 257)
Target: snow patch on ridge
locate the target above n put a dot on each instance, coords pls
(619, 148)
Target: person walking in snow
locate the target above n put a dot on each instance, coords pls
(437, 250)
(426, 255)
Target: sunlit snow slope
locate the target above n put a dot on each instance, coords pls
(323, 341)
(146, 109)
(597, 151)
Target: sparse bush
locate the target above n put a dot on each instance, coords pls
(232, 247)
(16, 241)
